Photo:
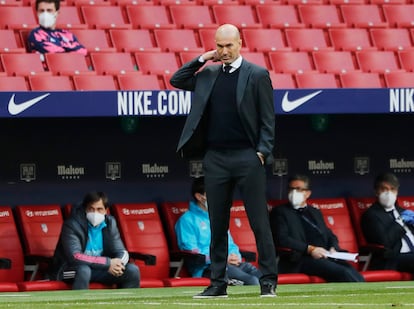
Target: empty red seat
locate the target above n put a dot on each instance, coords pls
(50, 83)
(94, 82)
(278, 16)
(351, 39)
(257, 58)
(104, 17)
(132, 40)
(21, 17)
(377, 61)
(282, 80)
(362, 15)
(307, 39)
(391, 39)
(264, 40)
(291, 62)
(406, 58)
(94, 40)
(333, 61)
(358, 79)
(401, 15)
(10, 42)
(149, 17)
(192, 16)
(157, 63)
(316, 80)
(175, 40)
(69, 19)
(139, 82)
(399, 79)
(13, 83)
(239, 15)
(67, 64)
(23, 64)
(113, 63)
(320, 16)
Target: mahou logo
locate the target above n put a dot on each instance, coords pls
(70, 172)
(320, 167)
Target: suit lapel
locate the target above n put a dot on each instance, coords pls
(244, 73)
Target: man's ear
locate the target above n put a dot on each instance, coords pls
(199, 197)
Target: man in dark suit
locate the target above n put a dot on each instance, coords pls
(301, 230)
(231, 127)
(391, 226)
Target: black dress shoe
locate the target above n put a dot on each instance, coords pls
(212, 292)
(267, 290)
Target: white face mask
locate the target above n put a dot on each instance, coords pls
(296, 198)
(95, 218)
(47, 20)
(387, 199)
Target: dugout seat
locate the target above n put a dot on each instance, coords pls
(358, 79)
(23, 64)
(307, 39)
(377, 61)
(192, 16)
(149, 17)
(50, 83)
(320, 16)
(316, 80)
(142, 231)
(278, 16)
(133, 40)
(94, 82)
(333, 61)
(239, 15)
(264, 40)
(104, 17)
(291, 62)
(68, 64)
(113, 63)
(176, 40)
(9, 42)
(406, 202)
(391, 39)
(363, 16)
(94, 40)
(350, 39)
(13, 83)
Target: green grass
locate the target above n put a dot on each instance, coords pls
(331, 295)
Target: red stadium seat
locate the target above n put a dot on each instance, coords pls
(377, 61)
(291, 62)
(23, 64)
(21, 17)
(278, 16)
(149, 17)
(176, 40)
(400, 16)
(399, 79)
(50, 83)
(257, 58)
(94, 82)
(125, 3)
(282, 80)
(104, 17)
(316, 80)
(113, 63)
(94, 40)
(406, 58)
(133, 40)
(351, 39)
(239, 15)
(192, 16)
(67, 64)
(157, 63)
(69, 19)
(320, 16)
(10, 249)
(139, 82)
(333, 61)
(13, 83)
(391, 39)
(363, 15)
(306, 39)
(264, 40)
(9, 42)
(361, 80)
(207, 38)
(298, 2)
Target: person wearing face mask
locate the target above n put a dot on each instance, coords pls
(303, 238)
(47, 38)
(90, 248)
(387, 224)
(193, 234)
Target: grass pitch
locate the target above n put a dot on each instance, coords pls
(330, 295)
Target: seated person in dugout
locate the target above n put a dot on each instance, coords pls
(387, 224)
(193, 234)
(90, 248)
(301, 229)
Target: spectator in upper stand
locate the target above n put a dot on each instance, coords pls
(47, 38)
(301, 229)
(193, 234)
(90, 248)
(387, 224)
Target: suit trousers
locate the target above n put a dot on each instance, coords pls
(224, 170)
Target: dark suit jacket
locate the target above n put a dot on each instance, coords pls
(254, 100)
(289, 233)
(380, 228)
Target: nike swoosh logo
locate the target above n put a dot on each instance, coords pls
(288, 106)
(15, 109)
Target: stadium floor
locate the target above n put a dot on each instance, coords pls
(329, 295)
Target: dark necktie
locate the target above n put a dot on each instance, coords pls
(227, 69)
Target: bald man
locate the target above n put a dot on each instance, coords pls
(231, 128)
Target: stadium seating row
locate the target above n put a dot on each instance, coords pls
(148, 233)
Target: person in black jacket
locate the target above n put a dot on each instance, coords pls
(387, 224)
(300, 230)
(90, 248)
